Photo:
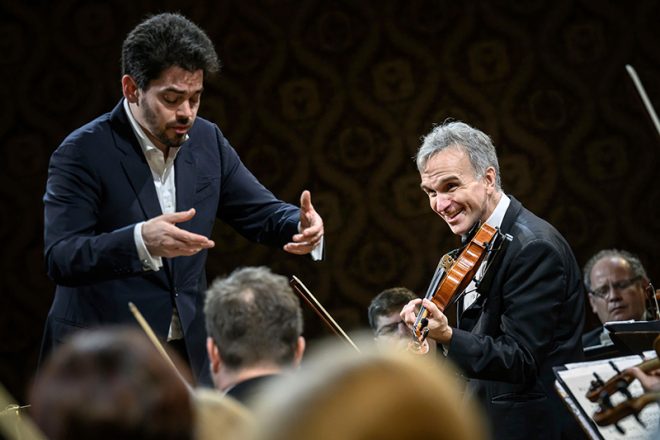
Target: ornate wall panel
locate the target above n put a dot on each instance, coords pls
(333, 96)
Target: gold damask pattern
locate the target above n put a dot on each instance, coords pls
(333, 96)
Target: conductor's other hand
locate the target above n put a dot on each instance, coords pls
(311, 228)
(163, 239)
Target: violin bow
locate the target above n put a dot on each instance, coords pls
(15, 424)
(306, 295)
(642, 93)
(154, 340)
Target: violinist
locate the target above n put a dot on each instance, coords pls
(616, 284)
(525, 314)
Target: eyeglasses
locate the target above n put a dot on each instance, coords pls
(603, 291)
(390, 329)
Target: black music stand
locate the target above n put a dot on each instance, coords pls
(633, 337)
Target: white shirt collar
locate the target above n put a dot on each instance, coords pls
(497, 216)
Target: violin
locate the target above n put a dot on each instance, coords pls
(600, 389)
(607, 413)
(452, 277)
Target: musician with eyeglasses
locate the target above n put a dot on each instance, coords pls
(385, 320)
(618, 290)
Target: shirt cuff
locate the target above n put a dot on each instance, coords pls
(317, 252)
(148, 262)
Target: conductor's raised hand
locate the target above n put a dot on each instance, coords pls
(311, 228)
(163, 239)
(438, 325)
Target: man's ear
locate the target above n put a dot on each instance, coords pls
(300, 350)
(130, 89)
(214, 355)
(491, 178)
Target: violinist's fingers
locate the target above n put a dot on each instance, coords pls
(433, 310)
(409, 311)
(650, 382)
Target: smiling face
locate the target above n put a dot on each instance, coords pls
(167, 109)
(622, 294)
(455, 193)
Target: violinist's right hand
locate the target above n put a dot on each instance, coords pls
(438, 325)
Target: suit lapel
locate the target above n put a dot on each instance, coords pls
(186, 178)
(134, 163)
(142, 182)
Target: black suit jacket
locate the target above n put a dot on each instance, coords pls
(245, 391)
(100, 185)
(529, 320)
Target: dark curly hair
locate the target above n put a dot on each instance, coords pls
(388, 301)
(165, 40)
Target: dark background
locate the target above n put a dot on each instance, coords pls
(333, 96)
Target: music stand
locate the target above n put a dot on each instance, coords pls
(633, 337)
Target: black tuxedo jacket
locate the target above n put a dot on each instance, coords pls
(528, 320)
(100, 185)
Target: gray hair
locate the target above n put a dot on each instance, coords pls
(253, 317)
(635, 264)
(475, 143)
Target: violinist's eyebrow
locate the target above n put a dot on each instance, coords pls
(438, 182)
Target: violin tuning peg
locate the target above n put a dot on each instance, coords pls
(604, 400)
(613, 365)
(425, 333)
(598, 382)
(624, 390)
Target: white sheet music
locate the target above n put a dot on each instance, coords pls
(578, 377)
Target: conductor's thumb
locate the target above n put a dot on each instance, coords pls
(180, 217)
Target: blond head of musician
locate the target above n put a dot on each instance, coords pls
(374, 394)
(616, 283)
(111, 383)
(254, 324)
(523, 311)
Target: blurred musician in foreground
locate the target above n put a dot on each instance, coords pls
(254, 324)
(616, 283)
(111, 383)
(378, 393)
(528, 314)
